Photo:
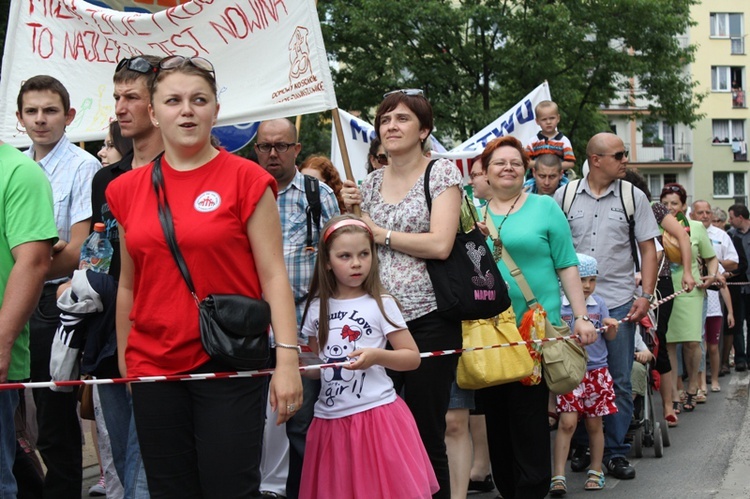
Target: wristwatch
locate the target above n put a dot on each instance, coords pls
(584, 317)
(651, 298)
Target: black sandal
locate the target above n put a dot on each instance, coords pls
(689, 406)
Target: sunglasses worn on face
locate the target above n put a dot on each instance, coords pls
(137, 64)
(412, 92)
(176, 61)
(618, 155)
(280, 147)
(382, 159)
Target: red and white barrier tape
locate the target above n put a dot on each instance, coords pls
(268, 372)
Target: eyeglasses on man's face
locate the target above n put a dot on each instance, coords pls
(617, 155)
(280, 147)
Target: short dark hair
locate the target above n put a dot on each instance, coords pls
(740, 210)
(122, 145)
(638, 181)
(550, 160)
(125, 75)
(41, 83)
(418, 104)
(674, 188)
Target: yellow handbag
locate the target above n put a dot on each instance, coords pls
(494, 366)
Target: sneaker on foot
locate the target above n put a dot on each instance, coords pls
(619, 467)
(99, 488)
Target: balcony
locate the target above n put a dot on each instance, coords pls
(738, 45)
(657, 151)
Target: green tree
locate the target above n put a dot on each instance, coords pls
(475, 59)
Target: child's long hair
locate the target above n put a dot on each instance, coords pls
(323, 284)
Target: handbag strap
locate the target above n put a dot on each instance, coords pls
(515, 272)
(167, 225)
(428, 197)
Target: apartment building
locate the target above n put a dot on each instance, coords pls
(711, 160)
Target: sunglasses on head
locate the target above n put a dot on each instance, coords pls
(672, 188)
(138, 64)
(176, 61)
(412, 92)
(617, 155)
(382, 159)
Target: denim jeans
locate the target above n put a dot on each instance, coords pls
(620, 363)
(117, 408)
(8, 403)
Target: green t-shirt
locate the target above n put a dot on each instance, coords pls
(538, 238)
(26, 215)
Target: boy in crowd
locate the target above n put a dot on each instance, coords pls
(549, 140)
(44, 111)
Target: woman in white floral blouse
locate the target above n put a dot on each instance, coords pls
(394, 205)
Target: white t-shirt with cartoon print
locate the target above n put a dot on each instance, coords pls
(353, 323)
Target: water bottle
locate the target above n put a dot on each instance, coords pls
(96, 252)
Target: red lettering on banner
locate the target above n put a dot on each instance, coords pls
(91, 46)
(41, 40)
(177, 41)
(54, 8)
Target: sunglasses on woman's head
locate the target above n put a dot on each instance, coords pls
(138, 64)
(412, 92)
(673, 188)
(176, 61)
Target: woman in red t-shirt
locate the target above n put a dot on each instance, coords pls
(202, 438)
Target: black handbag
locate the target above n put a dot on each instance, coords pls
(233, 328)
(467, 284)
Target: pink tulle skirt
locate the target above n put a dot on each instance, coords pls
(372, 454)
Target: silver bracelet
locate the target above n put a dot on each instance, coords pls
(291, 347)
(388, 239)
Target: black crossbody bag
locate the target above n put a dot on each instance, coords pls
(233, 328)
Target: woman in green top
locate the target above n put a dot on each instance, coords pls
(536, 234)
(686, 321)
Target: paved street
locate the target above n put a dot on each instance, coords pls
(709, 457)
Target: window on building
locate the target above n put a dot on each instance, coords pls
(728, 131)
(651, 135)
(720, 78)
(729, 184)
(729, 25)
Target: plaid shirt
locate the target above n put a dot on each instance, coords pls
(70, 171)
(300, 263)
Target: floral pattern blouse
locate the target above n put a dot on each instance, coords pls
(403, 275)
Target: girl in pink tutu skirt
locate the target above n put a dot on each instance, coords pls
(363, 441)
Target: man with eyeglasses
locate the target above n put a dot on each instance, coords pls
(480, 187)
(44, 110)
(601, 229)
(277, 149)
(132, 83)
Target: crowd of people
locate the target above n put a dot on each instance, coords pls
(343, 287)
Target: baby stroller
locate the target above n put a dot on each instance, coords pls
(645, 429)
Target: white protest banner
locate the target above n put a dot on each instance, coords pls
(269, 56)
(358, 135)
(518, 122)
